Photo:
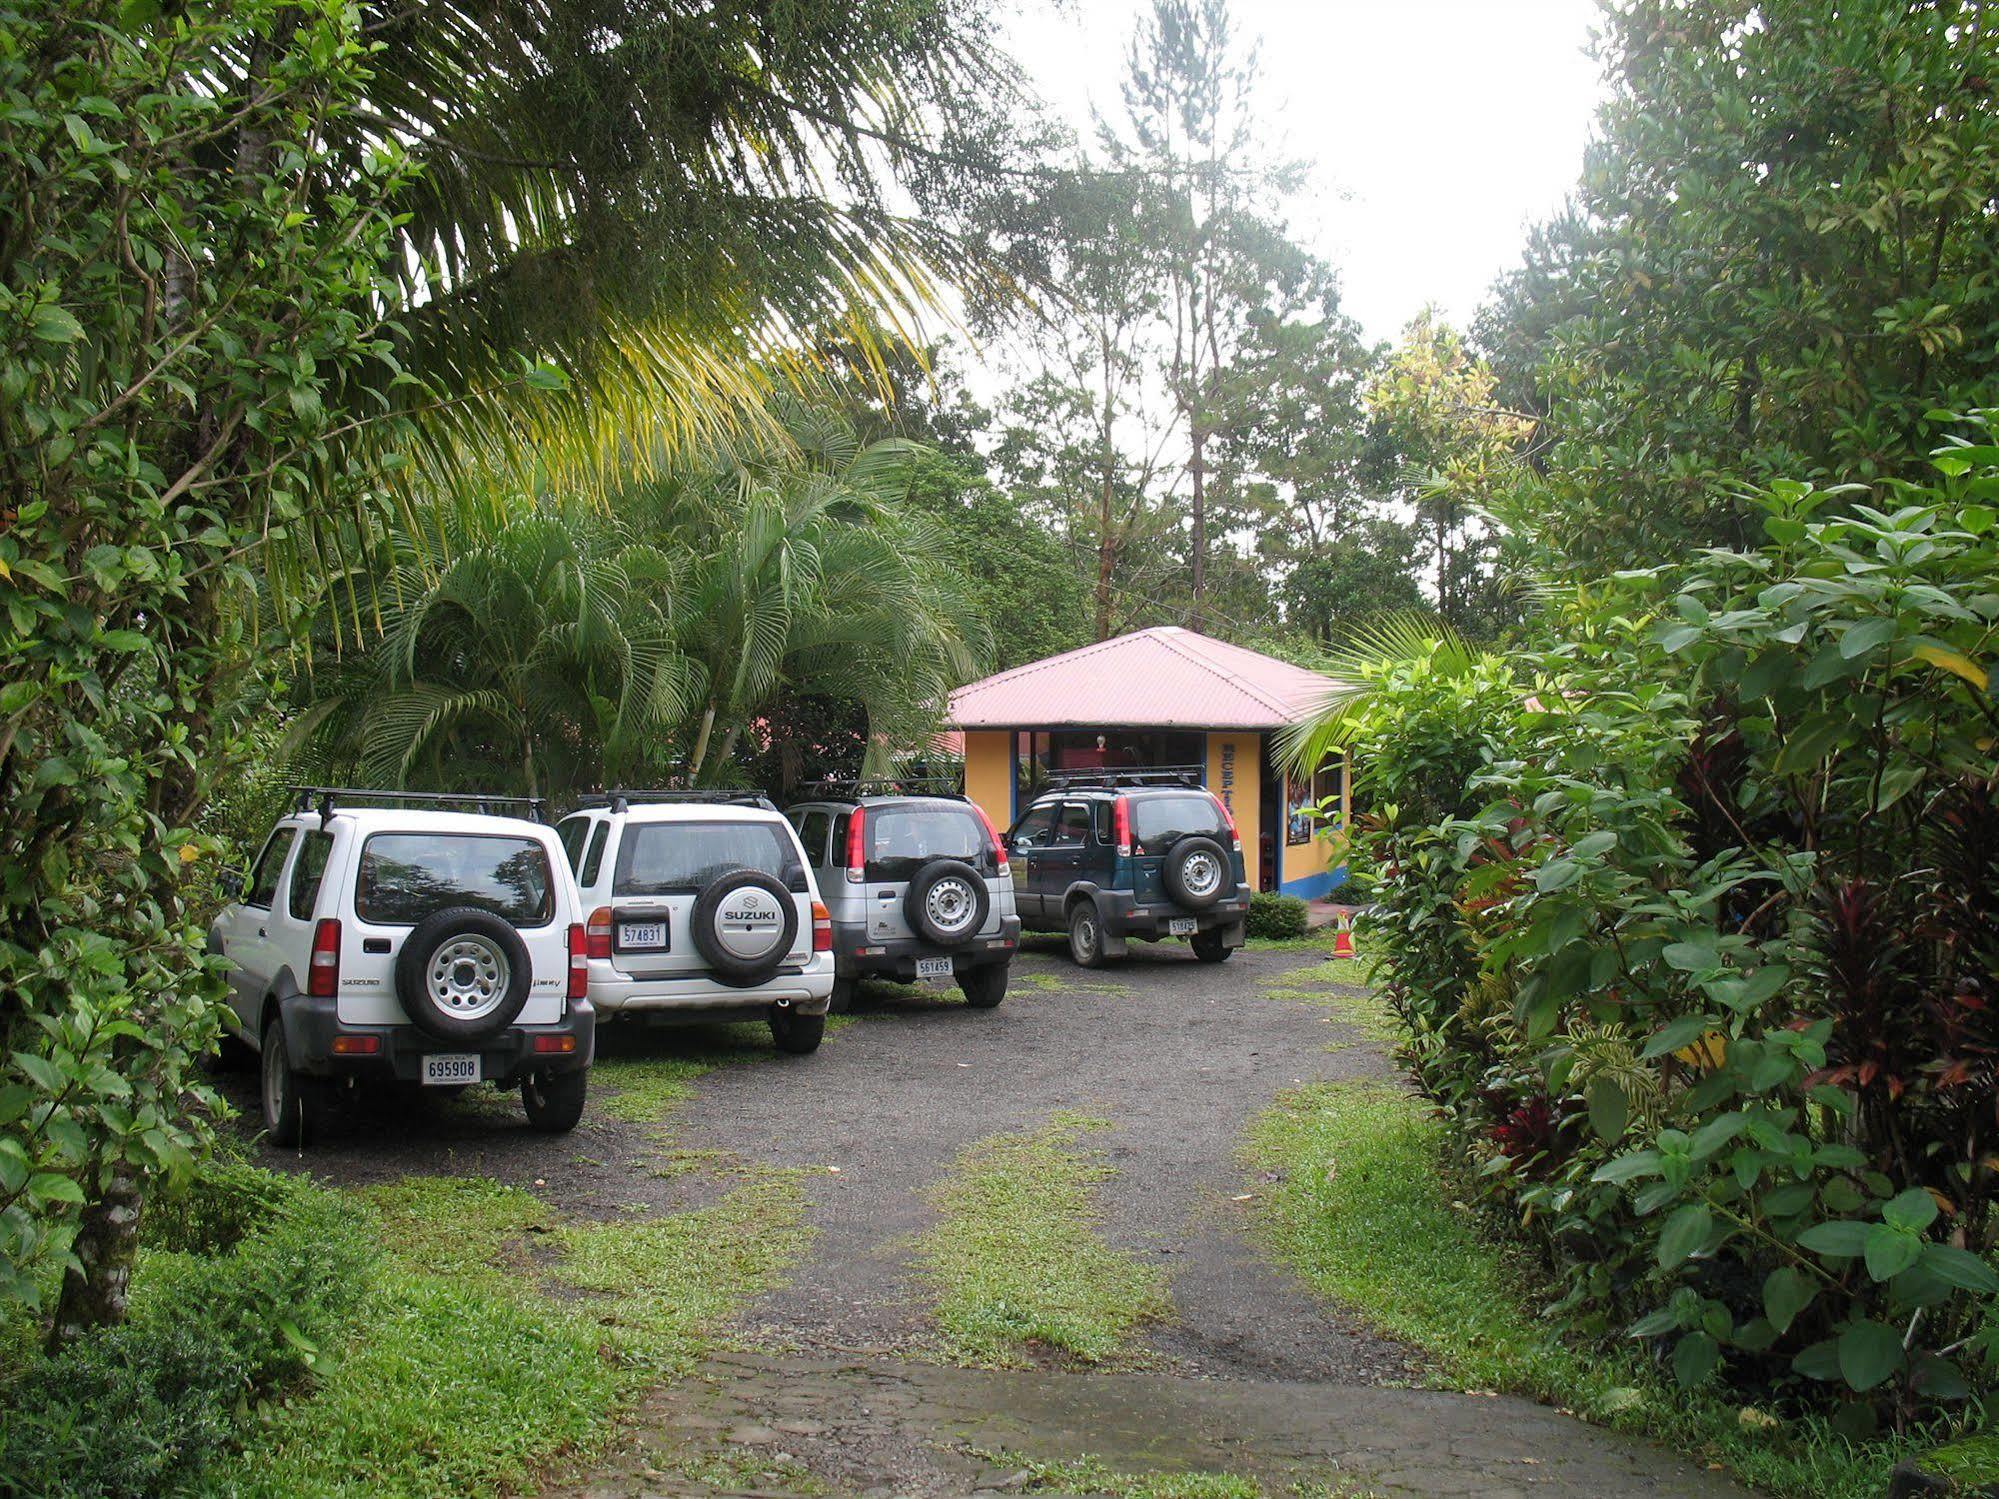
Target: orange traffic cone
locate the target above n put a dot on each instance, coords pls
(1343, 938)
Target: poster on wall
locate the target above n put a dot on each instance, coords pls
(1298, 810)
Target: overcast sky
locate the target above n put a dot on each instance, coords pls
(1436, 131)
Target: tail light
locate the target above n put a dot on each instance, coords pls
(999, 844)
(1228, 817)
(597, 936)
(553, 1045)
(579, 959)
(822, 928)
(857, 846)
(1121, 826)
(323, 978)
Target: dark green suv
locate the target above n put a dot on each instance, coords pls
(1109, 856)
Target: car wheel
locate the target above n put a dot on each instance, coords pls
(984, 987)
(1086, 935)
(294, 1106)
(1197, 873)
(797, 1034)
(463, 974)
(1209, 947)
(947, 903)
(744, 924)
(843, 997)
(554, 1100)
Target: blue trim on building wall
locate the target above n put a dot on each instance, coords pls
(1312, 886)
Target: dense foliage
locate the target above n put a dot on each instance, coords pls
(1779, 257)
(1690, 918)
(165, 339)
(548, 644)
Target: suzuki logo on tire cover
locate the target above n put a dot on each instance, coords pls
(750, 923)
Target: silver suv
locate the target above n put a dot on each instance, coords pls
(700, 906)
(918, 888)
(400, 941)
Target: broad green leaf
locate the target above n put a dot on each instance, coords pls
(1890, 1251)
(1676, 1034)
(1843, 1239)
(1630, 1167)
(56, 325)
(1685, 1232)
(1960, 1268)
(1866, 636)
(1786, 1292)
(1868, 1353)
(1692, 957)
(49, 1187)
(1914, 1210)
(1609, 1109)
(1694, 1358)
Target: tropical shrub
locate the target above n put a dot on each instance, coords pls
(1275, 917)
(1693, 924)
(244, 1282)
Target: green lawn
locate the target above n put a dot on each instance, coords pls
(1015, 1262)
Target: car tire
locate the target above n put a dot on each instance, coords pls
(295, 1106)
(463, 975)
(984, 987)
(947, 903)
(737, 969)
(1086, 935)
(1209, 947)
(1207, 862)
(843, 997)
(797, 1034)
(554, 1100)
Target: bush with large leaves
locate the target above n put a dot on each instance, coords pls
(1693, 920)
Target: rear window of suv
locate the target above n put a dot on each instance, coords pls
(406, 876)
(683, 858)
(901, 840)
(1158, 822)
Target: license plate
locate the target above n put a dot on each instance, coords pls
(934, 968)
(637, 934)
(451, 1069)
(1182, 926)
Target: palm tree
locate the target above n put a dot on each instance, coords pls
(1366, 665)
(553, 644)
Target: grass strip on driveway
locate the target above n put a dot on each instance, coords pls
(1016, 1263)
(1365, 1211)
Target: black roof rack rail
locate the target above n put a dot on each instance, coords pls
(1112, 777)
(621, 799)
(328, 797)
(944, 788)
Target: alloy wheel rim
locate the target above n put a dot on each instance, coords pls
(467, 977)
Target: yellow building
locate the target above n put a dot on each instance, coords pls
(1164, 698)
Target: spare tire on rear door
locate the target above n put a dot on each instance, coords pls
(463, 974)
(744, 923)
(1197, 873)
(947, 903)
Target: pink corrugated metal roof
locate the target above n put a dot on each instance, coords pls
(1164, 678)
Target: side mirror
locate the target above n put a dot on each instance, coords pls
(230, 882)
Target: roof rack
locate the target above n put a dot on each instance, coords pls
(942, 787)
(620, 799)
(1112, 777)
(328, 797)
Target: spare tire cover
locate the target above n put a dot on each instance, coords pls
(947, 903)
(463, 974)
(1197, 873)
(744, 923)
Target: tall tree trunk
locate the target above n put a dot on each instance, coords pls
(1107, 495)
(1197, 466)
(694, 761)
(107, 1241)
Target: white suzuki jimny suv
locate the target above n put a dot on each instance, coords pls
(701, 907)
(394, 941)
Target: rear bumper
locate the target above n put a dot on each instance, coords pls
(311, 1025)
(883, 958)
(807, 991)
(1125, 916)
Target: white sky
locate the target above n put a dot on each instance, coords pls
(1436, 130)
